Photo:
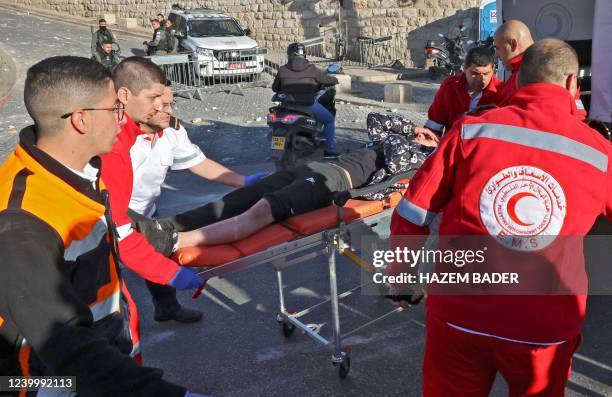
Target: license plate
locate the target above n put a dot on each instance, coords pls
(429, 62)
(278, 143)
(236, 65)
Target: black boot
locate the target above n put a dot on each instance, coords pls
(167, 306)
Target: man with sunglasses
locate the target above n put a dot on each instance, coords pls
(61, 308)
(140, 84)
(165, 145)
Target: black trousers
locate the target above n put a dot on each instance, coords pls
(164, 296)
(293, 192)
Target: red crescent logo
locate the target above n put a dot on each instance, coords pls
(511, 207)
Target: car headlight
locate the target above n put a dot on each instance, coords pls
(204, 51)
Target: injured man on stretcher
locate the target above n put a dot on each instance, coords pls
(283, 194)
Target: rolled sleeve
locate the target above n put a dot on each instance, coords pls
(186, 154)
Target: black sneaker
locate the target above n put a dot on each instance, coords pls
(181, 315)
(330, 155)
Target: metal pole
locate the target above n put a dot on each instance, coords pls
(333, 292)
(281, 297)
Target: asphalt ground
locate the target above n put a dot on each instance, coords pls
(238, 349)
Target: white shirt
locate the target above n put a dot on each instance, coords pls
(151, 159)
(474, 99)
(89, 173)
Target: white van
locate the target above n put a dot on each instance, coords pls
(221, 47)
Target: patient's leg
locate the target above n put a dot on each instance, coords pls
(232, 204)
(232, 229)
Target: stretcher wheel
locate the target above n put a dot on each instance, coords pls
(288, 329)
(344, 367)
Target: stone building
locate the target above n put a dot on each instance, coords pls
(274, 23)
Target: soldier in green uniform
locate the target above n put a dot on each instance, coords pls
(157, 45)
(106, 55)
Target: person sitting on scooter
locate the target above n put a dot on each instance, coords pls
(304, 81)
(476, 86)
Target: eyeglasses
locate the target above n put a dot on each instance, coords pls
(119, 109)
(168, 107)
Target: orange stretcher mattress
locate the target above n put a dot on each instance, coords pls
(294, 227)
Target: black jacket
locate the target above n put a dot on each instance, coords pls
(302, 80)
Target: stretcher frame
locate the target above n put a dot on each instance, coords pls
(328, 242)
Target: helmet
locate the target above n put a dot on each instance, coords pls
(296, 50)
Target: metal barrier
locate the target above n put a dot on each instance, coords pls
(193, 73)
(319, 50)
(380, 51)
(332, 47)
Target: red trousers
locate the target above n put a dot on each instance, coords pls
(461, 364)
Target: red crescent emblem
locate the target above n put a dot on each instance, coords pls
(511, 207)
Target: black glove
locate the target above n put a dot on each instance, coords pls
(163, 239)
(410, 296)
(409, 299)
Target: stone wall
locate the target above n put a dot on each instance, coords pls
(277, 22)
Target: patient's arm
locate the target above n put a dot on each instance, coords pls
(232, 229)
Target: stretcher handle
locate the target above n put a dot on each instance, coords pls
(340, 198)
(198, 291)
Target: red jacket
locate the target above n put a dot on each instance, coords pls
(452, 101)
(561, 170)
(511, 87)
(117, 173)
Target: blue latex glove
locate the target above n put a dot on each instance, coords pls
(186, 278)
(251, 179)
(189, 394)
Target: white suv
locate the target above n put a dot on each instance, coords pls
(221, 47)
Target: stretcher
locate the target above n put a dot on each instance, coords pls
(326, 231)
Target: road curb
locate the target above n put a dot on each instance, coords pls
(82, 21)
(8, 75)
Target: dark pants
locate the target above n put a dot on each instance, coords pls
(164, 296)
(303, 189)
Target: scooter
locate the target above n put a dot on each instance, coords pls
(446, 58)
(295, 134)
(487, 43)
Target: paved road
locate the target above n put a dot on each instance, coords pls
(238, 349)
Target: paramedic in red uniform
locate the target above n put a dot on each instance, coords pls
(511, 40)
(476, 86)
(140, 84)
(529, 340)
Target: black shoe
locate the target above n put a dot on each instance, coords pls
(330, 155)
(181, 315)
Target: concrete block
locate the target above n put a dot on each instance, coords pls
(397, 93)
(110, 18)
(128, 23)
(344, 82)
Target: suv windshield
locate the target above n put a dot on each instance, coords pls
(214, 28)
